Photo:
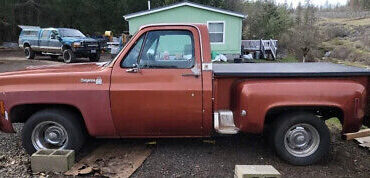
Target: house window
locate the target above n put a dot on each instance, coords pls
(216, 32)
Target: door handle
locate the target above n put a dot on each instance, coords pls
(132, 70)
(191, 75)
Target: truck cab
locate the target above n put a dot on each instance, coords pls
(55, 42)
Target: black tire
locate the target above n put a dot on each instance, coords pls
(303, 120)
(95, 57)
(54, 57)
(70, 121)
(29, 53)
(68, 56)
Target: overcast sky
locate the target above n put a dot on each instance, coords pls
(315, 2)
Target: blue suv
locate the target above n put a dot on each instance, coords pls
(55, 42)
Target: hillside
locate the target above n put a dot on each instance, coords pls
(346, 40)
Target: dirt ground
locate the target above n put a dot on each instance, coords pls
(215, 157)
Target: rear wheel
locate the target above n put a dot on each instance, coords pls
(68, 56)
(300, 138)
(53, 129)
(29, 53)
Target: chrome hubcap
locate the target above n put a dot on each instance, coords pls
(302, 140)
(49, 135)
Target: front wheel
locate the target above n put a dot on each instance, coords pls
(68, 56)
(300, 138)
(53, 129)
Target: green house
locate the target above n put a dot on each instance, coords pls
(225, 27)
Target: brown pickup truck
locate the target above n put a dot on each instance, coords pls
(163, 84)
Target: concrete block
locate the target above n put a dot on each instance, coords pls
(52, 160)
(256, 171)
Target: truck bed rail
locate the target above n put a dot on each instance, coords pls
(318, 69)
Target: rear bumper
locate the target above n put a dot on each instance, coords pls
(5, 124)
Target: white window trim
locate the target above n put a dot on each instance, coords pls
(224, 33)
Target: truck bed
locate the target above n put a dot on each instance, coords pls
(317, 69)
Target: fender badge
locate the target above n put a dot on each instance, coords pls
(97, 81)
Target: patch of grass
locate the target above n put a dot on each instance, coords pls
(334, 123)
(348, 63)
(346, 21)
(288, 59)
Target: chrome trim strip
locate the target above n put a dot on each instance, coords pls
(45, 47)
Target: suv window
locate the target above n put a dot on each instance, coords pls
(29, 33)
(131, 58)
(45, 34)
(168, 49)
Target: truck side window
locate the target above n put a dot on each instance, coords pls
(45, 34)
(168, 49)
(131, 58)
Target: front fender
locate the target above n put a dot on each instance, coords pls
(257, 97)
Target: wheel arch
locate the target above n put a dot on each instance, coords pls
(21, 113)
(26, 44)
(65, 46)
(323, 111)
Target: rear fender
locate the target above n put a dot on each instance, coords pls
(258, 97)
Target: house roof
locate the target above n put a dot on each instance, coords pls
(185, 3)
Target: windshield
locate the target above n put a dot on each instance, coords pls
(70, 33)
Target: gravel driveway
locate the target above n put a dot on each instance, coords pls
(214, 157)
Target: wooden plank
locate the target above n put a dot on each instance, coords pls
(366, 145)
(363, 140)
(116, 159)
(361, 133)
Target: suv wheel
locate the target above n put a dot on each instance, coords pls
(68, 56)
(95, 57)
(28, 52)
(300, 138)
(53, 129)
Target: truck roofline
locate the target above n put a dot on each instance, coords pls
(170, 24)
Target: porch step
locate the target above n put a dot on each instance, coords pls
(224, 122)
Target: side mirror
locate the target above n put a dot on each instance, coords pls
(135, 69)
